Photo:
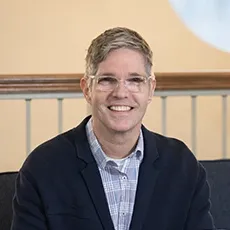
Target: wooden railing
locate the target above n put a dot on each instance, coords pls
(61, 83)
(29, 87)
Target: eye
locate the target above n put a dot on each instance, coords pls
(137, 80)
(106, 80)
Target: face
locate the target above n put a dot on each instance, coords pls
(119, 110)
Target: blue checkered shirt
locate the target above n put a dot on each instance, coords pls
(119, 178)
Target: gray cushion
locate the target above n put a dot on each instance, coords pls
(218, 173)
(7, 188)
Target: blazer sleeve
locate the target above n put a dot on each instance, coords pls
(199, 217)
(28, 212)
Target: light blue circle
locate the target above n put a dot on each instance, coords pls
(207, 19)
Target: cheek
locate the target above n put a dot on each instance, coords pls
(143, 100)
(97, 102)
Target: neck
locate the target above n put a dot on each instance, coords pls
(116, 144)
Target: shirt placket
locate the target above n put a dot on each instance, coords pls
(123, 210)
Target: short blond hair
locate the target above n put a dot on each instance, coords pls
(115, 38)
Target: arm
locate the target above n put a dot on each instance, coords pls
(28, 213)
(199, 217)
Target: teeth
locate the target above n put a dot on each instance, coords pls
(120, 108)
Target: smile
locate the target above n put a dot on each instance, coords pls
(120, 108)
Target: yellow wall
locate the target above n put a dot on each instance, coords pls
(51, 36)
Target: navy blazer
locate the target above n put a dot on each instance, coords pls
(59, 187)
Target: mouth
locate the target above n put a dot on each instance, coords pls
(120, 108)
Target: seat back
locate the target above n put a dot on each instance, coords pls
(218, 175)
(7, 188)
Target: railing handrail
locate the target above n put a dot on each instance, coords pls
(70, 83)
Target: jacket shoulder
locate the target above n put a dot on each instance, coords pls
(56, 152)
(173, 149)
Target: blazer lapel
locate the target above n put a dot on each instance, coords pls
(148, 174)
(91, 175)
(92, 178)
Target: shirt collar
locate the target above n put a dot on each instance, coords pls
(99, 154)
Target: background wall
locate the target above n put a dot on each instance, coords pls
(51, 36)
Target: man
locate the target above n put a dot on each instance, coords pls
(110, 172)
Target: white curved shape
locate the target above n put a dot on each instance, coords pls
(207, 19)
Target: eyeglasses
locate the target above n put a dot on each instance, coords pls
(133, 84)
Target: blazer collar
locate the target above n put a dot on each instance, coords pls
(81, 142)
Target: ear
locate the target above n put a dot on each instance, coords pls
(152, 87)
(85, 89)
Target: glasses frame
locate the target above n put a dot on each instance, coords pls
(97, 78)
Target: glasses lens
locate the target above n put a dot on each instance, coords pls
(106, 83)
(135, 84)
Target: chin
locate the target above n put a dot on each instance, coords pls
(122, 127)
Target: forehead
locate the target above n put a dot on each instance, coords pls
(122, 61)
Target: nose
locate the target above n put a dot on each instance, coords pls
(120, 90)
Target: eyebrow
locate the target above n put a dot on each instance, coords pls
(132, 74)
(136, 74)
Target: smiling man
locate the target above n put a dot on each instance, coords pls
(110, 172)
